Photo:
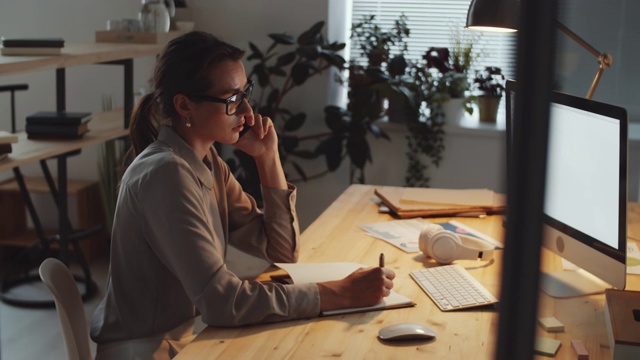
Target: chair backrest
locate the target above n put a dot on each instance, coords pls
(66, 295)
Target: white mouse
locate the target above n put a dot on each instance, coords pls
(406, 331)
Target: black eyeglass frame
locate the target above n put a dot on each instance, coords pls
(245, 94)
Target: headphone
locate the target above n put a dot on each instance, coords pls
(445, 246)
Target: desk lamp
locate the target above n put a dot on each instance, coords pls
(502, 16)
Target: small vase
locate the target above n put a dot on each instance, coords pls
(488, 108)
(453, 110)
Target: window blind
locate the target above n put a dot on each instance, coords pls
(434, 23)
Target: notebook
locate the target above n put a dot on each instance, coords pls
(302, 273)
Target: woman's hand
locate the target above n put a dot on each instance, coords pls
(261, 140)
(363, 287)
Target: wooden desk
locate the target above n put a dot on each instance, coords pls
(467, 334)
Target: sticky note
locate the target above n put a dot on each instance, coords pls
(546, 346)
(580, 350)
(551, 324)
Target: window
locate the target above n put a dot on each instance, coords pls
(432, 23)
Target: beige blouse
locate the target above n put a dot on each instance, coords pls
(176, 216)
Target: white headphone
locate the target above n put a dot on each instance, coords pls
(445, 246)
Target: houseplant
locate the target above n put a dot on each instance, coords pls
(489, 84)
(289, 62)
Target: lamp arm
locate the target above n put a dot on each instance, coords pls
(604, 59)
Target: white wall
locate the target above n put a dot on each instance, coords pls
(471, 158)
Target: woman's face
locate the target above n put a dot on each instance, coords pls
(209, 120)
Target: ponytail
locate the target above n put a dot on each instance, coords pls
(142, 129)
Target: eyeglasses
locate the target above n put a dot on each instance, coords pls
(233, 102)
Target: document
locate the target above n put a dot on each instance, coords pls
(302, 273)
(408, 203)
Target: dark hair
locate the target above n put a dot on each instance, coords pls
(183, 67)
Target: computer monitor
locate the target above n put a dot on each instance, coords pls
(585, 203)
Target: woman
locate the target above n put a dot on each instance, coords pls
(179, 207)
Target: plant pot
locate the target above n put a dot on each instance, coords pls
(453, 110)
(488, 108)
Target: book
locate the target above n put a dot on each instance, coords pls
(33, 42)
(43, 131)
(58, 117)
(424, 202)
(5, 149)
(7, 137)
(29, 51)
(622, 319)
(301, 273)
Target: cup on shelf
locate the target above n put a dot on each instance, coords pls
(114, 25)
(131, 25)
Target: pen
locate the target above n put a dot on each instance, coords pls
(381, 261)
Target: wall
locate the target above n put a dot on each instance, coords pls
(473, 158)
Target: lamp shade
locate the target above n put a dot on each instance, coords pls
(493, 15)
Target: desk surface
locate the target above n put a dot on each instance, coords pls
(469, 334)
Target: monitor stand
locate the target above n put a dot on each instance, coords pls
(570, 283)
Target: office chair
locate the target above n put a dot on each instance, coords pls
(66, 295)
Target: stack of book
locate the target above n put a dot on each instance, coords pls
(6, 139)
(57, 125)
(31, 46)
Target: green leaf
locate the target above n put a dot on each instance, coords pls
(311, 36)
(289, 143)
(286, 59)
(295, 122)
(333, 59)
(283, 39)
(273, 70)
(263, 75)
(358, 150)
(310, 52)
(332, 150)
(273, 96)
(300, 73)
(255, 52)
(335, 119)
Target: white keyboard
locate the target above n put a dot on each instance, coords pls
(451, 287)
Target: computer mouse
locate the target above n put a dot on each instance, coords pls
(406, 331)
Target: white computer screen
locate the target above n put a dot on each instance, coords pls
(582, 184)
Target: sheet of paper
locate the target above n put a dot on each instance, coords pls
(402, 234)
(633, 258)
(450, 197)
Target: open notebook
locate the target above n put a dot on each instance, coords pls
(319, 272)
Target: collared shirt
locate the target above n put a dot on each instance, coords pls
(176, 216)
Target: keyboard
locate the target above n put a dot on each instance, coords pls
(451, 287)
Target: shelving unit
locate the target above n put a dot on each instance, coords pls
(103, 127)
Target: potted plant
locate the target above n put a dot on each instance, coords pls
(288, 63)
(489, 84)
(390, 85)
(449, 69)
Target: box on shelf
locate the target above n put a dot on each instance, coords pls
(136, 37)
(85, 211)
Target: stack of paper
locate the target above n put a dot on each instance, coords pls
(423, 202)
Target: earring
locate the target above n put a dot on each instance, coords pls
(188, 123)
